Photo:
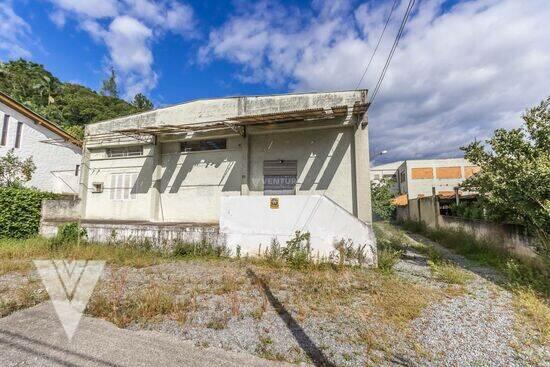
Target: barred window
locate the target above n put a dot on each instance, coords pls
(133, 151)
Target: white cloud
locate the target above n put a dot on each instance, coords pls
(14, 32)
(129, 29)
(458, 73)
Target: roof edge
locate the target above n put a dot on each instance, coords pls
(42, 121)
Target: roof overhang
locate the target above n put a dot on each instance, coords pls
(12, 103)
(239, 123)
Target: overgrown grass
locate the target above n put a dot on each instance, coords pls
(535, 311)
(391, 246)
(520, 272)
(24, 297)
(449, 273)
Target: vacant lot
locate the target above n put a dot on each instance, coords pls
(424, 306)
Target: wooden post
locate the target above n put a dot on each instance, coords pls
(435, 204)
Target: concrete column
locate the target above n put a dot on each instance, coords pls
(156, 214)
(245, 149)
(362, 172)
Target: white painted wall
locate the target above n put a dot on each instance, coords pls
(248, 221)
(54, 158)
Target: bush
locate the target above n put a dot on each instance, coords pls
(202, 249)
(20, 209)
(297, 251)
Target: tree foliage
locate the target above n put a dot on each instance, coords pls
(142, 103)
(382, 199)
(66, 104)
(109, 87)
(20, 211)
(15, 171)
(514, 181)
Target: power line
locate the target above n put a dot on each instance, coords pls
(392, 51)
(378, 43)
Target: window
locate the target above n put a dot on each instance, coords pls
(18, 134)
(201, 145)
(97, 187)
(5, 130)
(77, 168)
(122, 185)
(133, 151)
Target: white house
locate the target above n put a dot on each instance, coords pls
(252, 168)
(56, 154)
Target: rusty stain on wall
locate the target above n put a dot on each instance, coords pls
(422, 173)
(448, 172)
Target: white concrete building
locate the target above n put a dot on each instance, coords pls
(56, 154)
(418, 177)
(258, 167)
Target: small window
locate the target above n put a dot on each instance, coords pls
(97, 187)
(5, 130)
(18, 134)
(133, 151)
(201, 145)
(77, 168)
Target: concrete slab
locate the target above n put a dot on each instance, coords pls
(35, 337)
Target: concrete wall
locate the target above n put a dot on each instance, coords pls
(513, 238)
(60, 210)
(324, 161)
(250, 221)
(54, 158)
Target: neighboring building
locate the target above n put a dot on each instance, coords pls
(56, 154)
(258, 167)
(386, 171)
(417, 177)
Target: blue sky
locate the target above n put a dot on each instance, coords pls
(462, 69)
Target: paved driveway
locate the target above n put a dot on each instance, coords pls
(34, 337)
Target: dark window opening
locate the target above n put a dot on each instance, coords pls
(77, 168)
(18, 134)
(133, 151)
(202, 145)
(5, 130)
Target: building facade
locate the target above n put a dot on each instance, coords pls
(178, 164)
(56, 154)
(417, 178)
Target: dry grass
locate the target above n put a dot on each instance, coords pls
(40, 248)
(117, 305)
(449, 273)
(533, 310)
(23, 297)
(8, 266)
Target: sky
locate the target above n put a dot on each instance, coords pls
(461, 70)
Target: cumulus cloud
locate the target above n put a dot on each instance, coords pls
(129, 29)
(14, 32)
(460, 71)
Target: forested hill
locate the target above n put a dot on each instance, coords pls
(69, 105)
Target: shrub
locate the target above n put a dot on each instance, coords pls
(297, 250)
(70, 232)
(20, 209)
(202, 249)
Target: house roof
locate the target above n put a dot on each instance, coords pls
(12, 103)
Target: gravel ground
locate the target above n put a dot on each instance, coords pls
(470, 325)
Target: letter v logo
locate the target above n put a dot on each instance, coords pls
(70, 285)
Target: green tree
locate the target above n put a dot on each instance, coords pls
(14, 171)
(109, 87)
(142, 103)
(514, 181)
(382, 196)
